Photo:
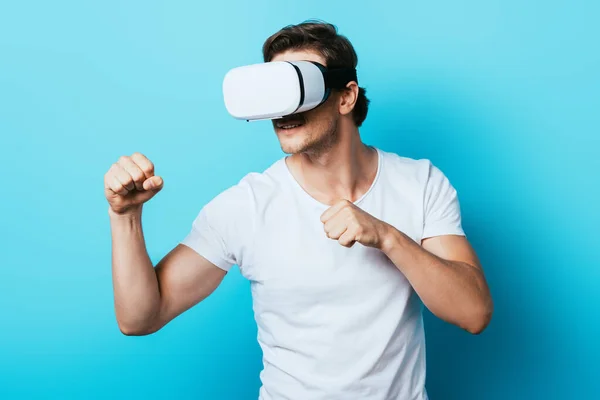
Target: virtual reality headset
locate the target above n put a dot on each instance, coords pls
(277, 89)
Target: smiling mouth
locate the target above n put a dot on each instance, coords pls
(289, 123)
(291, 126)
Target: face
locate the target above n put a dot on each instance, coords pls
(312, 131)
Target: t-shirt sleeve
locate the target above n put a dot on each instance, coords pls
(442, 214)
(221, 230)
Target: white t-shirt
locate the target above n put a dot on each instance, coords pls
(333, 322)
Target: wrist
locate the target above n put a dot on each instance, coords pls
(391, 239)
(131, 215)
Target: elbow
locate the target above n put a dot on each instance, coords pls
(132, 331)
(135, 330)
(140, 322)
(477, 328)
(480, 318)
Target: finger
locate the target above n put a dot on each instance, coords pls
(331, 211)
(347, 239)
(123, 177)
(134, 171)
(116, 186)
(108, 178)
(153, 183)
(334, 228)
(144, 164)
(111, 182)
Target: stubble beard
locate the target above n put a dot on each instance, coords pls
(317, 146)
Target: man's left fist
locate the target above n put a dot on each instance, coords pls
(348, 224)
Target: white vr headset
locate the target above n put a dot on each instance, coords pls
(280, 88)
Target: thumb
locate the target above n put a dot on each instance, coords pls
(153, 183)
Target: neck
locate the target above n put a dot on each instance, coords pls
(346, 170)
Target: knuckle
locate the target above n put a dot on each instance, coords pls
(125, 178)
(140, 158)
(148, 168)
(142, 162)
(123, 159)
(112, 170)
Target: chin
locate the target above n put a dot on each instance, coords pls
(292, 148)
(292, 145)
(303, 140)
(303, 147)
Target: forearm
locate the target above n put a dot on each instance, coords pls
(135, 285)
(453, 291)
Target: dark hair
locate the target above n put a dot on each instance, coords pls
(323, 38)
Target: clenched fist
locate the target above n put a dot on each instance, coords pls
(348, 224)
(130, 182)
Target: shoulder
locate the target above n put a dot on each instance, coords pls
(409, 170)
(251, 190)
(418, 178)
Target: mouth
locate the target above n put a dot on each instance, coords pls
(289, 124)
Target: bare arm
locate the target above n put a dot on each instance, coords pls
(444, 270)
(446, 274)
(147, 298)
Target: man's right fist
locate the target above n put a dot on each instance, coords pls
(131, 182)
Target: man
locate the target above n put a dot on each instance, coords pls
(340, 241)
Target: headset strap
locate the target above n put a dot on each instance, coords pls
(338, 78)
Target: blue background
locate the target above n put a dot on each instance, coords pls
(501, 95)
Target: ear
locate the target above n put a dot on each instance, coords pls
(348, 98)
